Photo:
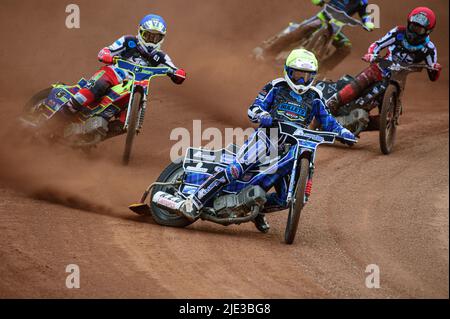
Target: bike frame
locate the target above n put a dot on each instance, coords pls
(204, 162)
(139, 78)
(399, 74)
(307, 141)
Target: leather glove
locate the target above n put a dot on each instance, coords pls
(369, 57)
(265, 119)
(346, 134)
(178, 76)
(437, 67)
(369, 26)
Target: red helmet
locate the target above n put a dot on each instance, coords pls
(421, 22)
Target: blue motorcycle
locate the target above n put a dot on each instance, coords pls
(242, 200)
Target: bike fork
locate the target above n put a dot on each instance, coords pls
(292, 179)
(130, 102)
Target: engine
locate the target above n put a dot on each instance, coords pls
(94, 125)
(239, 205)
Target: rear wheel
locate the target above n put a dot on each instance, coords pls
(161, 216)
(388, 118)
(31, 108)
(298, 204)
(132, 126)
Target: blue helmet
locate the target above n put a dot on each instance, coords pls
(152, 30)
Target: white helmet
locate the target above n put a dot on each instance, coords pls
(300, 70)
(152, 30)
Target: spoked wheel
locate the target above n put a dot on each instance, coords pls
(298, 204)
(34, 125)
(161, 216)
(31, 108)
(132, 126)
(318, 43)
(388, 120)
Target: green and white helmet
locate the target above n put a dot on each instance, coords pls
(300, 70)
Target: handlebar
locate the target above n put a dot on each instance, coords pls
(133, 67)
(342, 16)
(399, 66)
(326, 134)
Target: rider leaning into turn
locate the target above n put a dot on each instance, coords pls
(409, 45)
(340, 41)
(293, 99)
(143, 49)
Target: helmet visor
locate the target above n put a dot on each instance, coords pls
(417, 29)
(300, 77)
(151, 36)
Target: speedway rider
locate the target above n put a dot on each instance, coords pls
(292, 98)
(340, 40)
(408, 45)
(143, 49)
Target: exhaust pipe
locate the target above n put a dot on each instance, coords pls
(168, 202)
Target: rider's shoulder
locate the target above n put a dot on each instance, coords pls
(127, 40)
(430, 45)
(315, 93)
(400, 28)
(397, 30)
(278, 82)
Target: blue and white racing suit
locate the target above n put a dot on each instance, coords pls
(283, 104)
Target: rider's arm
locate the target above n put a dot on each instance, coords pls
(327, 121)
(262, 102)
(365, 16)
(431, 60)
(384, 42)
(162, 59)
(107, 54)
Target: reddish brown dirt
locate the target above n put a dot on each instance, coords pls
(59, 207)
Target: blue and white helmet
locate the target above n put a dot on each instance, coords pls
(152, 30)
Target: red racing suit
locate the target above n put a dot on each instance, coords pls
(398, 50)
(127, 48)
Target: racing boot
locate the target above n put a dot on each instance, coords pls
(261, 223)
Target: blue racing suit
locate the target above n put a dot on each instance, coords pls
(283, 104)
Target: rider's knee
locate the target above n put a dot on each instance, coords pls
(83, 98)
(234, 171)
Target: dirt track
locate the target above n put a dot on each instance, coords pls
(58, 207)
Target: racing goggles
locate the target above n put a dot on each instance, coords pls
(417, 29)
(151, 36)
(301, 77)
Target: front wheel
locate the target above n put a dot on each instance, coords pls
(298, 203)
(318, 43)
(171, 174)
(388, 120)
(132, 126)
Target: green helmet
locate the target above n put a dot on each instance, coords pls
(300, 70)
